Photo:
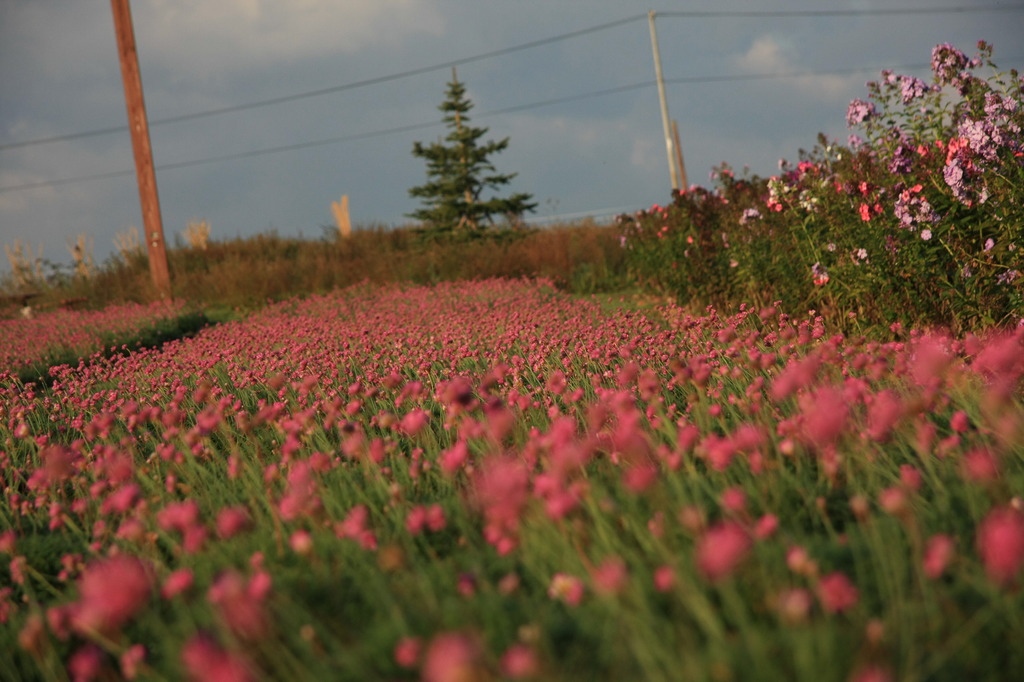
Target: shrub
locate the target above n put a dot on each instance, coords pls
(920, 222)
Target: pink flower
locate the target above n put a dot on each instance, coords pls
(407, 651)
(301, 499)
(178, 516)
(413, 422)
(893, 500)
(518, 661)
(959, 422)
(865, 212)
(240, 604)
(566, 588)
(1001, 543)
(206, 661)
(836, 593)
(86, 664)
(884, 411)
(176, 583)
(452, 657)
(664, 578)
(794, 605)
(610, 577)
(766, 526)
(232, 520)
(112, 591)
(8, 540)
(453, 458)
(356, 527)
(301, 542)
(937, 555)
(980, 465)
(721, 550)
(131, 660)
(825, 416)
(501, 490)
(734, 500)
(872, 673)
(121, 500)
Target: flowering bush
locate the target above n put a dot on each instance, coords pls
(920, 221)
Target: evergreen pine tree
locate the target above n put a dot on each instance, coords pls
(459, 172)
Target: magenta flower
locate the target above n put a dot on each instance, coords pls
(111, 591)
(206, 661)
(408, 651)
(836, 593)
(566, 588)
(721, 549)
(452, 657)
(232, 520)
(610, 577)
(519, 660)
(239, 603)
(1001, 544)
(939, 551)
(176, 583)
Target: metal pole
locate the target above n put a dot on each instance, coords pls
(145, 174)
(664, 105)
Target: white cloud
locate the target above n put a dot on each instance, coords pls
(195, 37)
(13, 204)
(645, 151)
(769, 55)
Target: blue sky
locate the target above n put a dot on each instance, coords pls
(601, 154)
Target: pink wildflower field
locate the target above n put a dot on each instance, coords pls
(494, 480)
(49, 337)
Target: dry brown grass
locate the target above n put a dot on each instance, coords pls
(585, 258)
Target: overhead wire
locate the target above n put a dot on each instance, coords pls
(693, 14)
(478, 57)
(333, 89)
(808, 13)
(432, 124)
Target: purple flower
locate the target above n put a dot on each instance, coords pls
(902, 160)
(1007, 277)
(948, 63)
(911, 88)
(748, 215)
(820, 274)
(890, 244)
(859, 111)
(997, 105)
(953, 174)
(913, 210)
(984, 138)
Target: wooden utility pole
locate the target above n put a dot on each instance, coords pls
(664, 105)
(146, 176)
(683, 185)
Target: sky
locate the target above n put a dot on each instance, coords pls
(360, 81)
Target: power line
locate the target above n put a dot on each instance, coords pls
(892, 11)
(420, 126)
(333, 89)
(695, 14)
